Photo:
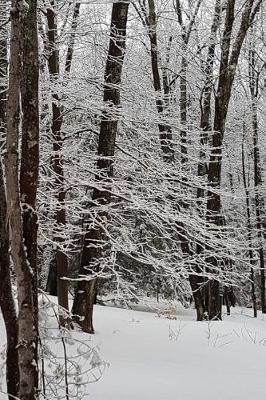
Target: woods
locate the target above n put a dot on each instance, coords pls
(132, 166)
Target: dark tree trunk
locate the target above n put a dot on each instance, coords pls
(185, 36)
(7, 304)
(70, 49)
(29, 167)
(259, 226)
(95, 243)
(60, 270)
(205, 121)
(250, 251)
(253, 87)
(27, 330)
(228, 66)
(183, 105)
(165, 130)
(206, 126)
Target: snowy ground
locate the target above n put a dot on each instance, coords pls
(160, 359)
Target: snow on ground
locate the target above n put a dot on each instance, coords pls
(160, 359)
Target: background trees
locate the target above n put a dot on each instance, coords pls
(147, 182)
(153, 203)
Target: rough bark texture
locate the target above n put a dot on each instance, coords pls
(27, 332)
(95, 243)
(29, 166)
(7, 304)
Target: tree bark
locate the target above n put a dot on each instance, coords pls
(206, 126)
(7, 304)
(95, 242)
(60, 269)
(250, 251)
(29, 166)
(27, 330)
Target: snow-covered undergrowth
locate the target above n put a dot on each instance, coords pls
(69, 359)
(153, 357)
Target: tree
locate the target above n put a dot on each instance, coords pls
(55, 283)
(7, 304)
(227, 72)
(254, 76)
(95, 241)
(24, 257)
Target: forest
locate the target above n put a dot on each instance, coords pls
(132, 177)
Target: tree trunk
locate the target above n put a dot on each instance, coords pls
(228, 66)
(206, 126)
(205, 121)
(253, 87)
(27, 330)
(165, 130)
(95, 243)
(7, 304)
(29, 167)
(183, 105)
(185, 36)
(60, 269)
(70, 48)
(250, 251)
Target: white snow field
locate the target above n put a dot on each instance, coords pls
(154, 358)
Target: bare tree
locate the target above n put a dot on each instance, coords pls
(185, 36)
(55, 284)
(250, 251)
(254, 76)
(229, 59)
(95, 241)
